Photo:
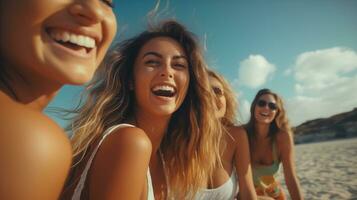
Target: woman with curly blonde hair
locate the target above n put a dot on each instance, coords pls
(146, 129)
(234, 174)
(271, 143)
(228, 107)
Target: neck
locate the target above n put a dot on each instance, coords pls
(154, 126)
(30, 91)
(262, 130)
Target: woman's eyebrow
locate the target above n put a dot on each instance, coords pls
(180, 57)
(152, 53)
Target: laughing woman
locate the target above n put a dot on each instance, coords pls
(146, 130)
(271, 143)
(44, 44)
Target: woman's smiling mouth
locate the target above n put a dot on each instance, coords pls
(79, 43)
(164, 91)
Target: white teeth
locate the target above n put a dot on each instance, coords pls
(80, 40)
(164, 87)
(73, 38)
(264, 114)
(66, 37)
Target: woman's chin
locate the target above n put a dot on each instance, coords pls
(264, 121)
(76, 77)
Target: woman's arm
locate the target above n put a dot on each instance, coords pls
(286, 149)
(242, 163)
(120, 166)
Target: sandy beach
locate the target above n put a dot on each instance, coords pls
(327, 170)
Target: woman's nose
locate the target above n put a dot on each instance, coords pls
(166, 71)
(87, 12)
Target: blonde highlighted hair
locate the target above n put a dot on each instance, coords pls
(191, 144)
(230, 117)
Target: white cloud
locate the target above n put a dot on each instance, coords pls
(288, 72)
(326, 84)
(255, 71)
(244, 111)
(299, 88)
(321, 69)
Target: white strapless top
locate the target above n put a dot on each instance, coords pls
(227, 191)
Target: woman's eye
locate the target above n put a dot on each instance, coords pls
(108, 3)
(152, 63)
(179, 65)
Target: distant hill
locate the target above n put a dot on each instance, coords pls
(343, 125)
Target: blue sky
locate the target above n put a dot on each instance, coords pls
(304, 50)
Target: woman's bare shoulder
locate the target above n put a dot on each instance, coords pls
(128, 139)
(122, 160)
(285, 143)
(238, 133)
(283, 137)
(33, 143)
(22, 125)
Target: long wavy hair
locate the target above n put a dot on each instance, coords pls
(279, 124)
(230, 117)
(191, 144)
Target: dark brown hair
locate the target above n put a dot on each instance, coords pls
(280, 122)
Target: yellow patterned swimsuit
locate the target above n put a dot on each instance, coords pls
(265, 181)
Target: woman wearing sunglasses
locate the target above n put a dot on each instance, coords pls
(271, 143)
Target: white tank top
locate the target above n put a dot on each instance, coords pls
(227, 191)
(80, 185)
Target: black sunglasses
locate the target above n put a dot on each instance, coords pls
(263, 103)
(218, 91)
